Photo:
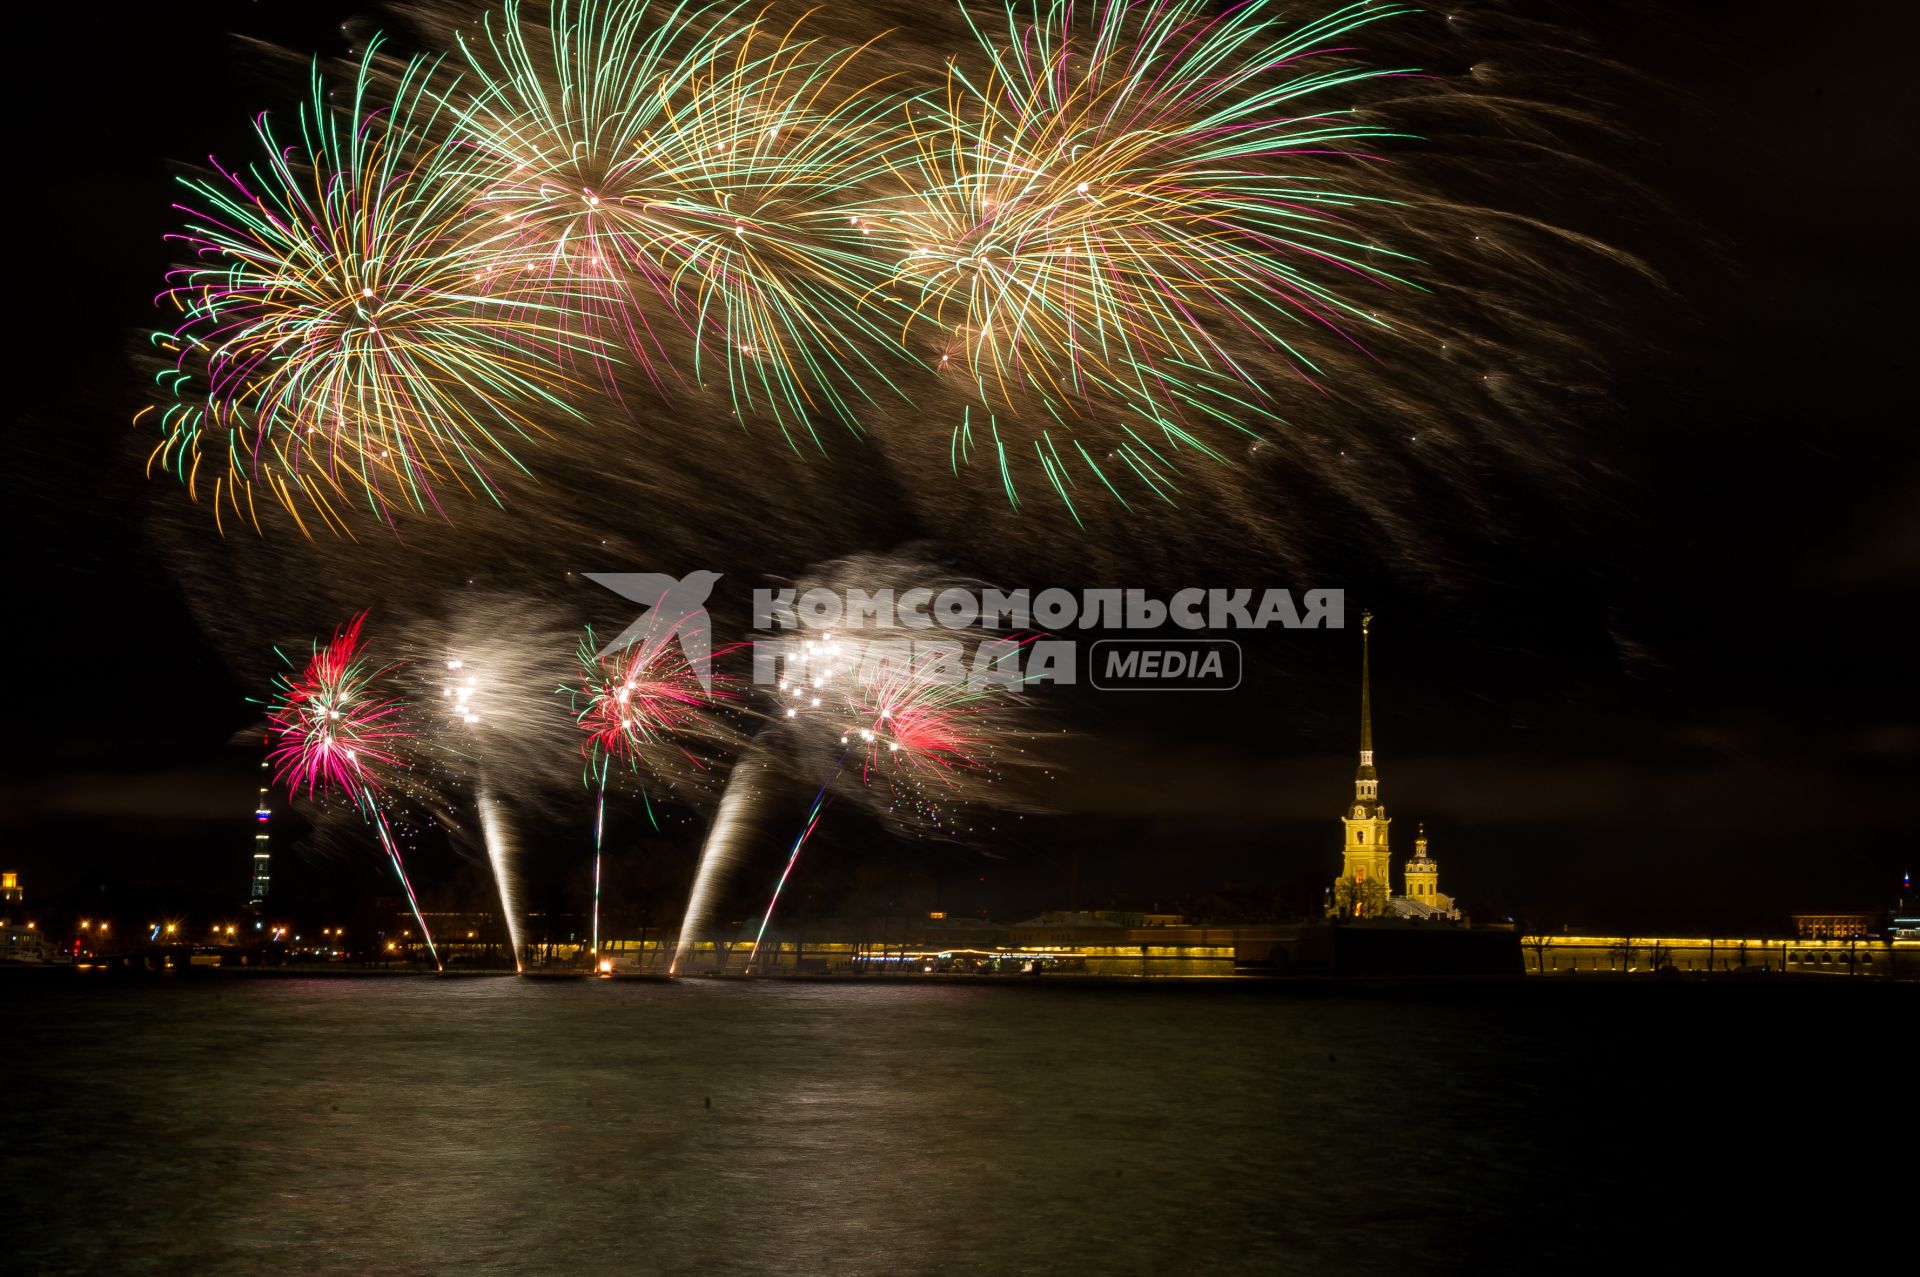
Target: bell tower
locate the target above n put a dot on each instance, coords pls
(1423, 875)
(1364, 856)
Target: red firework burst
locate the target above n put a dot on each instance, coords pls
(335, 726)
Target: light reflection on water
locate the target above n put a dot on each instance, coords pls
(504, 1126)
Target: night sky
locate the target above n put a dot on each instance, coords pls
(1683, 700)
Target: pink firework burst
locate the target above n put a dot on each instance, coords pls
(916, 716)
(335, 726)
(642, 703)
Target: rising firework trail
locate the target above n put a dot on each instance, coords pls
(493, 825)
(821, 801)
(892, 721)
(460, 697)
(339, 730)
(732, 823)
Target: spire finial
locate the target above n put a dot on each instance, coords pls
(1366, 688)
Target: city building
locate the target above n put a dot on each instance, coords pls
(21, 944)
(1904, 924)
(1859, 956)
(1423, 898)
(1364, 888)
(21, 941)
(1831, 926)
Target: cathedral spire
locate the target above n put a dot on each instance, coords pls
(1366, 691)
(1366, 875)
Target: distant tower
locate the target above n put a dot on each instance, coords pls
(10, 893)
(262, 880)
(1364, 858)
(1423, 874)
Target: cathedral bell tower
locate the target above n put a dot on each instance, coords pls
(1423, 875)
(1364, 858)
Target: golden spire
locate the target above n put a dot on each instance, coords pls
(1366, 691)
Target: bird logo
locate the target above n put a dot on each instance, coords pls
(675, 608)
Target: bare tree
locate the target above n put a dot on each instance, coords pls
(1367, 899)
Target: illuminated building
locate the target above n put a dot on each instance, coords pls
(1077, 943)
(1831, 926)
(1423, 884)
(21, 944)
(1905, 922)
(1365, 865)
(1364, 888)
(1857, 957)
(262, 879)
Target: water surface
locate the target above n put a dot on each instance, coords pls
(252, 1125)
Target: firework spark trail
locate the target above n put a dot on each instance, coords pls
(725, 842)
(466, 688)
(499, 855)
(340, 730)
(400, 870)
(910, 721)
(821, 801)
(599, 843)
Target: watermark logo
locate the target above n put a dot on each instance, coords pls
(927, 627)
(1165, 665)
(981, 638)
(675, 608)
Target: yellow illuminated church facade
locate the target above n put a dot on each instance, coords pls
(1364, 888)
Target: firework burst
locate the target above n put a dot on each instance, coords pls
(336, 728)
(915, 719)
(898, 719)
(339, 730)
(337, 346)
(685, 172)
(1132, 200)
(646, 707)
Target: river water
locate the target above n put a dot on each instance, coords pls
(410, 1125)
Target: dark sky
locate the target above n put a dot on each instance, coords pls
(1689, 704)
